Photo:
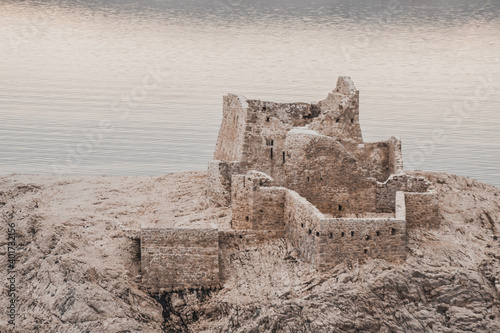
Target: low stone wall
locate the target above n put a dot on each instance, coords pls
(302, 221)
(422, 209)
(177, 259)
(343, 240)
(326, 242)
(386, 192)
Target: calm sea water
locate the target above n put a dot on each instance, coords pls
(135, 87)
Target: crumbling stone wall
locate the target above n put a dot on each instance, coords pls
(320, 169)
(386, 192)
(267, 126)
(177, 259)
(255, 204)
(395, 156)
(340, 115)
(219, 182)
(219, 178)
(232, 131)
(303, 223)
(374, 158)
(422, 209)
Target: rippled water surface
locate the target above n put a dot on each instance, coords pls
(135, 87)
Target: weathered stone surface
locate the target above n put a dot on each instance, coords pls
(422, 209)
(77, 269)
(179, 258)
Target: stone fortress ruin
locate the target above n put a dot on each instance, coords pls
(297, 171)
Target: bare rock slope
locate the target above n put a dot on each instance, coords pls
(77, 271)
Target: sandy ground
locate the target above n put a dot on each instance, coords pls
(77, 271)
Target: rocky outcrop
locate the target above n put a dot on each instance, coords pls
(78, 270)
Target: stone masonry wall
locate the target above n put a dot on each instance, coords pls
(242, 202)
(374, 158)
(340, 117)
(265, 138)
(386, 192)
(230, 141)
(326, 242)
(268, 209)
(219, 177)
(422, 209)
(303, 223)
(253, 207)
(343, 240)
(395, 156)
(178, 259)
(320, 169)
(219, 182)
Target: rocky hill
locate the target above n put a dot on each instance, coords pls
(77, 270)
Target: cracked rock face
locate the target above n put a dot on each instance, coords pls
(77, 270)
